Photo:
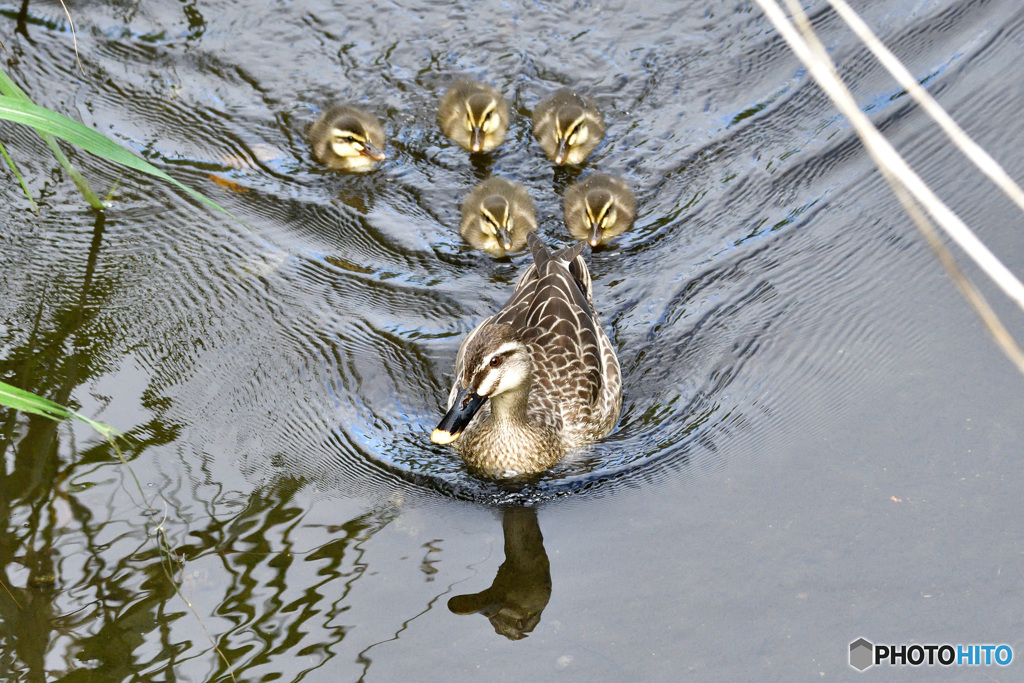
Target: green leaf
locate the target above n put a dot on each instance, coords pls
(21, 181)
(11, 89)
(27, 402)
(15, 108)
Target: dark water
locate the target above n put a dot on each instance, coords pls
(818, 441)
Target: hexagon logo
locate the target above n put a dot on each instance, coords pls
(861, 654)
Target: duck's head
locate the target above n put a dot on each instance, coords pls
(496, 361)
(495, 219)
(570, 130)
(600, 214)
(483, 121)
(350, 141)
(598, 208)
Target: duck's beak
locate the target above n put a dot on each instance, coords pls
(458, 417)
(504, 238)
(562, 151)
(595, 235)
(370, 151)
(476, 139)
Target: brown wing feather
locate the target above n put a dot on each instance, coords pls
(551, 308)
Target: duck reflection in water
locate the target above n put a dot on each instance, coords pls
(522, 587)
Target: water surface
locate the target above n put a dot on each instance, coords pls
(818, 440)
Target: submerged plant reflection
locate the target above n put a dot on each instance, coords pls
(251, 587)
(87, 584)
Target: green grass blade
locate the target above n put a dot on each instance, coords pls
(77, 178)
(27, 402)
(45, 121)
(11, 89)
(21, 181)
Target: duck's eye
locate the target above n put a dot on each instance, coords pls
(495, 361)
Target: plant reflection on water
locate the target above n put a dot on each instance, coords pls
(83, 585)
(136, 600)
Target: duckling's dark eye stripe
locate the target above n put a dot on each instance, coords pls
(573, 127)
(497, 220)
(486, 112)
(490, 217)
(475, 120)
(348, 135)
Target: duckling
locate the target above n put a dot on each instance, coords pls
(474, 115)
(568, 127)
(598, 208)
(536, 379)
(346, 138)
(497, 215)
